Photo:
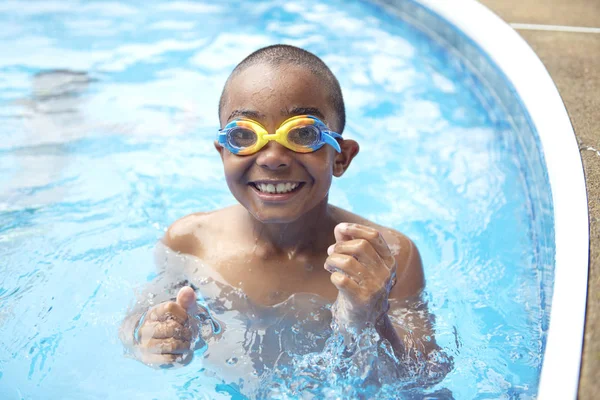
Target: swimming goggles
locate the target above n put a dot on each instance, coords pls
(302, 134)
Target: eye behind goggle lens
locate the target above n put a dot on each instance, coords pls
(241, 138)
(305, 136)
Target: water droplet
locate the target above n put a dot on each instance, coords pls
(515, 355)
(203, 281)
(232, 361)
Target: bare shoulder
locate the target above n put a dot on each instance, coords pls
(410, 277)
(188, 234)
(182, 235)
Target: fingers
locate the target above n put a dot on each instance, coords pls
(344, 283)
(164, 330)
(347, 231)
(165, 336)
(168, 311)
(165, 321)
(360, 249)
(348, 265)
(167, 346)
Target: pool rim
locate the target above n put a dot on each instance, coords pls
(541, 102)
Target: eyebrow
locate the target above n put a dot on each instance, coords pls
(304, 111)
(246, 113)
(253, 114)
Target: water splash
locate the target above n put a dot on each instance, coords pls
(296, 348)
(363, 366)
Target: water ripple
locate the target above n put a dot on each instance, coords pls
(108, 132)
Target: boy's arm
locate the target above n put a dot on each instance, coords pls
(406, 302)
(374, 267)
(408, 325)
(159, 329)
(165, 300)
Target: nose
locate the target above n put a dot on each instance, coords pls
(274, 156)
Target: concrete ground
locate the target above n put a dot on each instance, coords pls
(573, 60)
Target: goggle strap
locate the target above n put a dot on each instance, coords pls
(330, 140)
(222, 137)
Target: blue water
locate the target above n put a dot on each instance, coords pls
(107, 120)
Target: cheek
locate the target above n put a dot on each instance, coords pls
(234, 168)
(321, 168)
(324, 172)
(235, 165)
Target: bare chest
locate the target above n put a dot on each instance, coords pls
(273, 280)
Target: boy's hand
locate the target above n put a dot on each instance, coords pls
(364, 270)
(165, 335)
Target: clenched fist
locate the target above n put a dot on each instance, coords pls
(364, 270)
(164, 334)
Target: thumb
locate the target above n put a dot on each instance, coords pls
(186, 298)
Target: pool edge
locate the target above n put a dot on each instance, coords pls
(542, 104)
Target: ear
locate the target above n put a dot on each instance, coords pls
(343, 159)
(219, 149)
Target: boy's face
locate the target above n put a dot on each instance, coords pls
(271, 95)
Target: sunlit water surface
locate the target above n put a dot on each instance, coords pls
(107, 120)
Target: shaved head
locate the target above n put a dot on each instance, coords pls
(280, 55)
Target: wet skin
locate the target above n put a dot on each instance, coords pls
(273, 246)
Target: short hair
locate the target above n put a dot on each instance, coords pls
(280, 54)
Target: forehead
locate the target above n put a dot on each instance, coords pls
(271, 90)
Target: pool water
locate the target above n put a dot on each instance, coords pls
(108, 115)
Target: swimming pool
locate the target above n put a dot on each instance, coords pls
(109, 118)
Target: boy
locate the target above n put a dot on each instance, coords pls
(284, 238)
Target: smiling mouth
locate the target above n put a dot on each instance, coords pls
(276, 187)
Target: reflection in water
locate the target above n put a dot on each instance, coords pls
(55, 109)
(59, 90)
(291, 349)
(52, 117)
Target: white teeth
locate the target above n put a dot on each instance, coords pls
(277, 188)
